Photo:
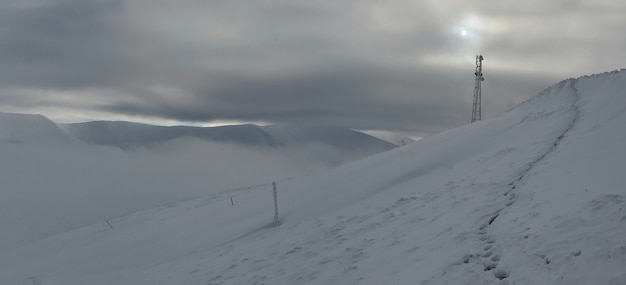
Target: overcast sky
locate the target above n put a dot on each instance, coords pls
(371, 65)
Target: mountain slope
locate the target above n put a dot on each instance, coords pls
(533, 196)
(127, 135)
(339, 137)
(56, 177)
(30, 129)
(328, 145)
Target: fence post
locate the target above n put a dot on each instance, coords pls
(275, 204)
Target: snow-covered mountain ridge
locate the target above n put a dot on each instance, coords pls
(32, 129)
(37, 129)
(533, 196)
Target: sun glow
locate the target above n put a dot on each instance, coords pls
(467, 29)
(476, 28)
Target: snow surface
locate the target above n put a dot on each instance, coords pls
(57, 178)
(533, 196)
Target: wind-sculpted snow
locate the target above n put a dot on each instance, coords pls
(533, 196)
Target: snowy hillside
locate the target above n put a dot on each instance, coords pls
(533, 196)
(30, 129)
(59, 177)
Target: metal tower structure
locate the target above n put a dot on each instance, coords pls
(476, 108)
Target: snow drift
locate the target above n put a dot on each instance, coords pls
(533, 196)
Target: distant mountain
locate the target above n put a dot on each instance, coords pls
(339, 137)
(37, 129)
(127, 135)
(30, 129)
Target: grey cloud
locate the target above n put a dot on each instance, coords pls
(361, 64)
(61, 44)
(352, 95)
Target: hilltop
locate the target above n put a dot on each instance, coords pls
(533, 196)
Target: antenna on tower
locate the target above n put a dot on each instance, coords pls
(476, 108)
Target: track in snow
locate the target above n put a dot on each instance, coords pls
(488, 256)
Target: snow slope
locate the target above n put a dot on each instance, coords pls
(30, 129)
(56, 178)
(533, 196)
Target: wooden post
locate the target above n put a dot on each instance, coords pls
(275, 204)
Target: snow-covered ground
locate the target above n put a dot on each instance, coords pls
(533, 196)
(55, 178)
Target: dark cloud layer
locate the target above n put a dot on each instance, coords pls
(58, 44)
(398, 66)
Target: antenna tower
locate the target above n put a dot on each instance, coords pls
(476, 108)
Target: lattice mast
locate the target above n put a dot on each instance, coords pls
(476, 108)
